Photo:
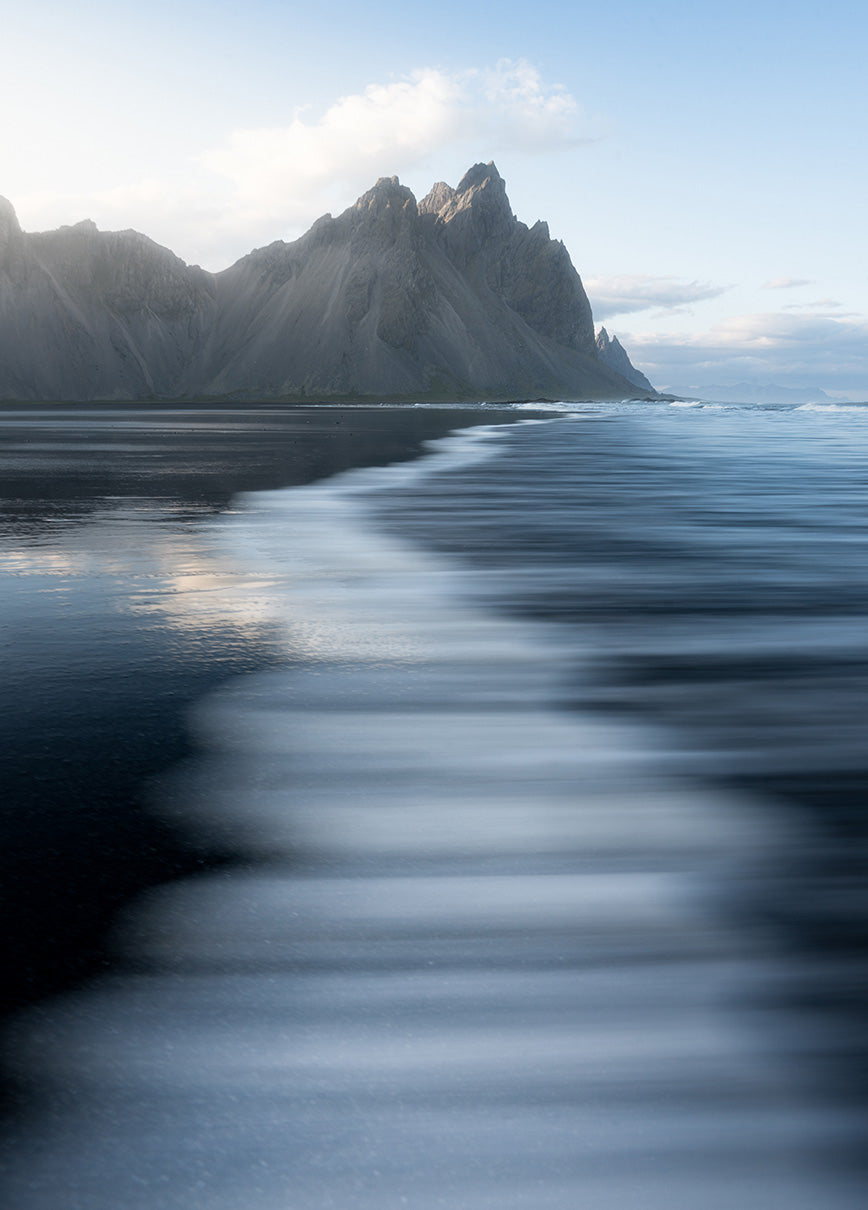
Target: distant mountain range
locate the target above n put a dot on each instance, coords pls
(757, 392)
(449, 299)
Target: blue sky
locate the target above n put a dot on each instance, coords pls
(704, 163)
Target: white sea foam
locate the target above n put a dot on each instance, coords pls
(554, 406)
(859, 408)
(698, 403)
(479, 957)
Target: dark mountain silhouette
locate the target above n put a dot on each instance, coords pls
(613, 354)
(450, 298)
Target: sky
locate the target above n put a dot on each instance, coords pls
(704, 163)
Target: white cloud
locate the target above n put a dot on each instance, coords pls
(630, 293)
(272, 171)
(513, 107)
(786, 283)
(822, 306)
(272, 182)
(774, 347)
(288, 175)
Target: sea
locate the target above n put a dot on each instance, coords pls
(434, 806)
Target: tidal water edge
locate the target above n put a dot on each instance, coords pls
(541, 763)
(115, 618)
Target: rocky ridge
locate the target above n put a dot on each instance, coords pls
(450, 298)
(613, 354)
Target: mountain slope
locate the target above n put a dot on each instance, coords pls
(86, 314)
(613, 354)
(450, 298)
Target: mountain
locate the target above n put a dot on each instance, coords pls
(86, 314)
(450, 298)
(612, 353)
(755, 392)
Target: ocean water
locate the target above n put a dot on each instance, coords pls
(542, 771)
(115, 615)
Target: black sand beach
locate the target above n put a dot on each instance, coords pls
(493, 770)
(96, 677)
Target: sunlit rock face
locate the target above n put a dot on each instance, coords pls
(10, 231)
(613, 354)
(343, 311)
(525, 269)
(450, 298)
(88, 314)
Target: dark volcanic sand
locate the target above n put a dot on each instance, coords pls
(100, 507)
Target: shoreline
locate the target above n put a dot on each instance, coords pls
(337, 401)
(463, 911)
(79, 840)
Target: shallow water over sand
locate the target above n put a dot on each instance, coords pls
(508, 932)
(116, 613)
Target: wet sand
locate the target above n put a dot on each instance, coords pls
(101, 554)
(482, 953)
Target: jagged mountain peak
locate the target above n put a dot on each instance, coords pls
(387, 194)
(482, 176)
(613, 354)
(9, 225)
(481, 190)
(440, 197)
(453, 298)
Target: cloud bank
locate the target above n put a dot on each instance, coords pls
(770, 347)
(786, 283)
(627, 294)
(273, 181)
(278, 171)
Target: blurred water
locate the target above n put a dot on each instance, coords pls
(711, 566)
(552, 819)
(116, 612)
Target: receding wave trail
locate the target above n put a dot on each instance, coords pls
(480, 956)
